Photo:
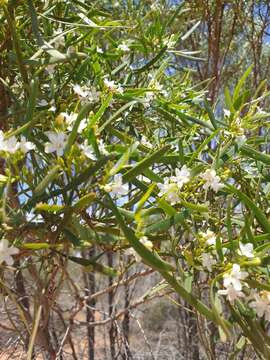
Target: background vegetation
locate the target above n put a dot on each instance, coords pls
(134, 179)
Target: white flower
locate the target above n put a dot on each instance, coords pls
(227, 112)
(123, 47)
(82, 126)
(52, 108)
(208, 261)
(99, 50)
(262, 305)
(232, 293)
(42, 102)
(145, 142)
(93, 95)
(148, 98)
(6, 252)
(57, 142)
(234, 277)
(86, 94)
(82, 92)
(209, 237)
(173, 184)
(116, 187)
(10, 145)
(182, 176)
(113, 87)
(70, 119)
(101, 147)
(25, 145)
(88, 150)
(170, 190)
(211, 180)
(246, 250)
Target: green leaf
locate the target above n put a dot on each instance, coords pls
(202, 146)
(219, 248)
(29, 112)
(84, 202)
(98, 115)
(210, 114)
(228, 100)
(49, 208)
(144, 198)
(35, 23)
(78, 180)
(254, 154)
(72, 238)
(91, 265)
(214, 304)
(164, 225)
(115, 116)
(229, 224)
(52, 175)
(124, 159)
(187, 118)
(144, 164)
(259, 215)
(36, 246)
(152, 61)
(150, 258)
(240, 84)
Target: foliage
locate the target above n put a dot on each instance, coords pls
(106, 143)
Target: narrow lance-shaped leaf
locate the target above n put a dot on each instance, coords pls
(254, 154)
(144, 164)
(84, 202)
(210, 114)
(100, 111)
(259, 215)
(218, 318)
(115, 116)
(190, 31)
(150, 258)
(78, 180)
(164, 225)
(29, 112)
(240, 83)
(52, 174)
(91, 265)
(152, 61)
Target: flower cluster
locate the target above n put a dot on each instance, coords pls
(113, 87)
(86, 94)
(233, 283)
(116, 187)
(11, 144)
(172, 185)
